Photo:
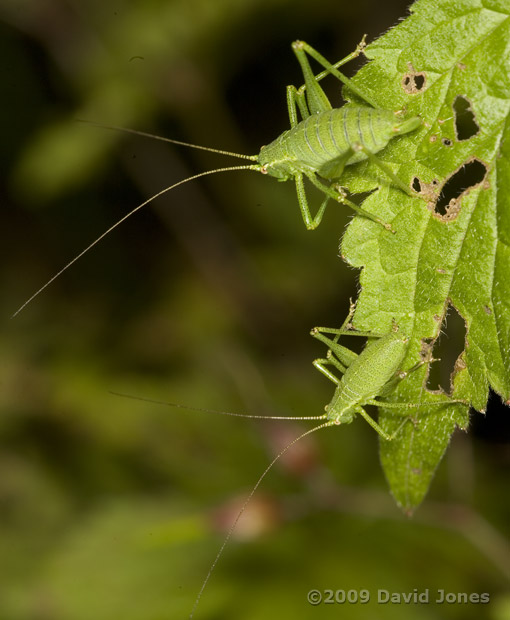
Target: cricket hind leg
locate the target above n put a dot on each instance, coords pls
(302, 49)
(424, 405)
(406, 414)
(407, 418)
(338, 356)
(315, 97)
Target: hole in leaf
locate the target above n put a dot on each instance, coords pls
(465, 124)
(413, 83)
(419, 80)
(446, 141)
(494, 427)
(416, 185)
(447, 350)
(470, 174)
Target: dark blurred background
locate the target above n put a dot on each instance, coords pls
(114, 508)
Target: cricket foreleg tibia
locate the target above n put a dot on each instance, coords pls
(296, 97)
(310, 222)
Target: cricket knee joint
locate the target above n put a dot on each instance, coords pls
(361, 45)
(340, 191)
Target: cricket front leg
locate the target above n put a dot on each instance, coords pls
(296, 99)
(310, 221)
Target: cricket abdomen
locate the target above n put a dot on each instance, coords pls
(367, 375)
(322, 138)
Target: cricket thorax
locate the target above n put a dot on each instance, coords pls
(340, 408)
(274, 159)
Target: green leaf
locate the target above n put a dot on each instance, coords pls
(458, 256)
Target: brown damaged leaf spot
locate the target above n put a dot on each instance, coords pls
(429, 191)
(414, 82)
(469, 175)
(427, 345)
(452, 210)
(460, 364)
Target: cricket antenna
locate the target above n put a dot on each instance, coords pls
(215, 411)
(254, 167)
(243, 508)
(257, 484)
(153, 136)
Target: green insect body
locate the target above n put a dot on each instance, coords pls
(368, 379)
(317, 148)
(325, 143)
(328, 139)
(370, 375)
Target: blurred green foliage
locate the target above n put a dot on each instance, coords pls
(114, 508)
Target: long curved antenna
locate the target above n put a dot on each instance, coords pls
(243, 508)
(215, 411)
(145, 134)
(123, 219)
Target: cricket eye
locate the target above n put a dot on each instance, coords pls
(263, 170)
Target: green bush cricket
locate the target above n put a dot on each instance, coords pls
(317, 148)
(367, 378)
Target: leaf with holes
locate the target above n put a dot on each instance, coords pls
(449, 61)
